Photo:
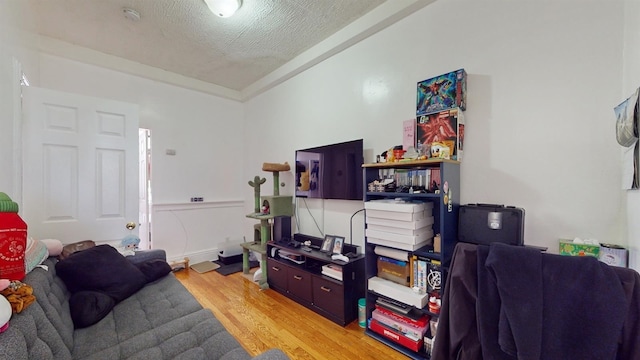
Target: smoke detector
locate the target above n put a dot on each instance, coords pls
(131, 14)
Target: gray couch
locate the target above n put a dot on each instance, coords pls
(160, 321)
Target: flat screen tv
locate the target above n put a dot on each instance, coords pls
(331, 171)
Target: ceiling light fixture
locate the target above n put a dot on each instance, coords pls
(223, 8)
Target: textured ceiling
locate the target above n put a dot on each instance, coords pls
(184, 37)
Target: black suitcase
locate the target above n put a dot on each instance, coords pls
(487, 223)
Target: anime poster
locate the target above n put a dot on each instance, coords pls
(442, 133)
(442, 92)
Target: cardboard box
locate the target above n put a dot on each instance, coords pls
(394, 270)
(405, 239)
(437, 244)
(441, 131)
(568, 247)
(416, 224)
(401, 231)
(397, 206)
(399, 245)
(396, 215)
(613, 255)
(442, 92)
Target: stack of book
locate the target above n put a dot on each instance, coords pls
(399, 224)
(332, 271)
(406, 328)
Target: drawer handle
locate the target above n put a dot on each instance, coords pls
(325, 288)
(297, 277)
(275, 268)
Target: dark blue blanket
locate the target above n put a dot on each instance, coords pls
(544, 306)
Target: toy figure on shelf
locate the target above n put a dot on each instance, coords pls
(129, 245)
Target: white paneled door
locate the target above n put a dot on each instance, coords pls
(80, 166)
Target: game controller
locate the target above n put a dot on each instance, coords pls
(339, 257)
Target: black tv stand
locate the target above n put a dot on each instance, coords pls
(301, 278)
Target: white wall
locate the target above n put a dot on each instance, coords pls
(543, 80)
(15, 54)
(205, 132)
(631, 81)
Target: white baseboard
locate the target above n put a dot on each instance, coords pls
(196, 257)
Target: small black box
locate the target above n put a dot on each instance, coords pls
(487, 223)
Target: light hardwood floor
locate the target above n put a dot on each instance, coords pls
(265, 319)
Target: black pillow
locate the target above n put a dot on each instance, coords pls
(103, 269)
(154, 269)
(89, 307)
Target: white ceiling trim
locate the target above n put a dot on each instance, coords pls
(63, 49)
(379, 18)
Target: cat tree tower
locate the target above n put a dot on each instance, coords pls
(266, 208)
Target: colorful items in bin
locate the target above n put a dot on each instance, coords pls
(442, 92)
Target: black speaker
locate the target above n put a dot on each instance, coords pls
(281, 228)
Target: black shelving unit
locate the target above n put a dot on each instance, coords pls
(445, 213)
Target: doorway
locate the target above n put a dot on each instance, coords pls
(145, 201)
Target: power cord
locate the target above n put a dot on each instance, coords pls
(312, 217)
(351, 226)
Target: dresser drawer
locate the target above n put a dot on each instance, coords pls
(328, 296)
(277, 274)
(299, 283)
